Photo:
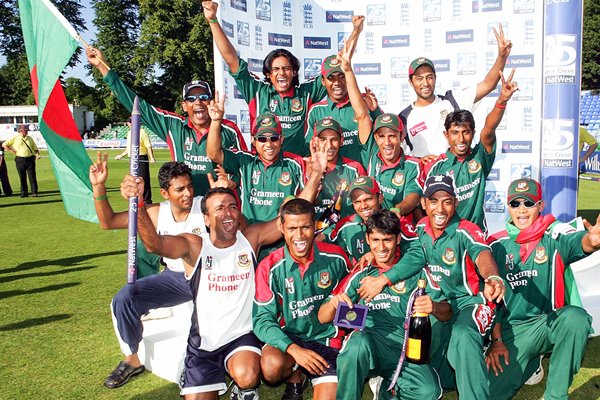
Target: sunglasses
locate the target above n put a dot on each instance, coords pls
(265, 139)
(526, 203)
(193, 97)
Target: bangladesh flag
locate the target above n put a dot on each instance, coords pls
(50, 42)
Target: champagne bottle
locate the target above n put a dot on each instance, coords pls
(419, 333)
(332, 214)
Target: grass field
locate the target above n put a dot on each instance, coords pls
(57, 277)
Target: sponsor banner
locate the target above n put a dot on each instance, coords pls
(263, 10)
(239, 5)
(395, 41)
(339, 16)
(311, 42)
(592, 164)
(464, 35)
(312, 67)
(494, 175)
(517, 146)
(367, 69)
(227, 28)
(495, 201)
(280, 39)
(486, 5)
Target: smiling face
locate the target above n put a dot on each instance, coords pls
(365, 204)
(269, 149)
(388, 141)
(383, 247)
(180, 193)
(523, 217)
(423, 82)
(440, 208)
(197, 110)
(282, 74)
(223, 219)
(299, 234)
(331, 139)
(336, 86)
(460, 138)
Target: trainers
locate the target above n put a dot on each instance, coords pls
(122, 374)
(294, 391)
(537, 376)
(375, 385)
(248, 394)
(157, 313)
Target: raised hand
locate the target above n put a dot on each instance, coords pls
(504, 45)
(593, 235)
(494, 289)
(99, 170)
(216, 108)
(94, 56)
(508, 87)
(357, 23)
(210, 9)
(344, 56)
(371, 99)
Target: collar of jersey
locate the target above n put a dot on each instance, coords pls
(453, 158)
(199, 133)
(394, 165)
(289, 93)
(341, 104)
(302, 268)
(382, 268)
(266, 163)
(449, 230)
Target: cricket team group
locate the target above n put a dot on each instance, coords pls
(237, 235)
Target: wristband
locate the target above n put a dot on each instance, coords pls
(395, 209)
(495, 277)
(141, 203)
(101, 198)
(500, 106)
(213, 21)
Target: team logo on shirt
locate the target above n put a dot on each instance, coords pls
(289, 285)
(510, 262)
(449, 257)
(324, 280)
(398, 179)
(474, 166)
(255, 177)
(197, 231)
(443, 115)
(243, 260)
(188, 144)
(540, 255)
(297, 105)
(208, 263)
(285, 179)
(399, 287)
(273, 105)
(360, 245)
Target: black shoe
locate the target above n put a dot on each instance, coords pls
(24, 195)
(121, 375)
(294, 391)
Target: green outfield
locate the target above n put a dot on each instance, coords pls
(58, 276)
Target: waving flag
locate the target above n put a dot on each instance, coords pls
(50, 42)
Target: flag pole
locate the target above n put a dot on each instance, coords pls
(134, 153)
(87, 45)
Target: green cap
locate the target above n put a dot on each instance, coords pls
(525, 188)
(365, 183)
(267, 123)
(327, 123)
(389, 120)
(330, 65)
(419, 62)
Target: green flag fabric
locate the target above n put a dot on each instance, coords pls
(50, 42)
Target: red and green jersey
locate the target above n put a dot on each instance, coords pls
(450, 259)
(341, 176)
(533, 267)
(343, 113)
(186, 142)
(288, 296)
(291, 108)
(397, 180)
(264, 186)
(349, 233)
(469, 176)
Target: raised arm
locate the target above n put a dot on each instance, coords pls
(97, 60)
(491, 79)
(359, 105)
(106, 216)
(216, 110)
(488, 133)
(591, 241)
(357, 27)
(223, 44)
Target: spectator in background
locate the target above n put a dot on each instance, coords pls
(26, 152)
(146, 156)
(4, 174)
(586, 137)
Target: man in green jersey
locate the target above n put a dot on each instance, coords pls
(186, 137)
(542, 308)
(291, 284)
(375, 350)
(470, 166)
(462, 266)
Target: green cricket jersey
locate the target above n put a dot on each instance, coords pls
(469, 176)
(264, 186)
(341, 176)
(288, 296)
(291, 108)
(349, 233)
(186, 142)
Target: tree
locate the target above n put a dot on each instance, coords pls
(15, 85)
(590, 74)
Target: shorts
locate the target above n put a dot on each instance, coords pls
(328, 353)
(205, 371)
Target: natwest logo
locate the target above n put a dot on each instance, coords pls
(465, 35)
(367, 69)
(516, 146)
(279, 39)
(239, 5)
(227, 28)
(317, 42)
(255, 65)
(441, 65)
(487, 5)
(395, 41)
(339, 16)
(520, 61)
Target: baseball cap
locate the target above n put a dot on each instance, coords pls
(196, 84)
(330, 65)
(389, 120)
(365, 183)
(439, 182)
(419, 62)
(267, 123)
(526, 188)
(327, 123)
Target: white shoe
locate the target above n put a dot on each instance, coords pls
(537, 376)
(375, 385)
(249, 394)
(157, 313)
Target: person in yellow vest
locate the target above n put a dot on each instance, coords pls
(146, 155)
(585, 137)
(26, 152)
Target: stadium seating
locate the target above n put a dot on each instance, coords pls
(589, 111)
